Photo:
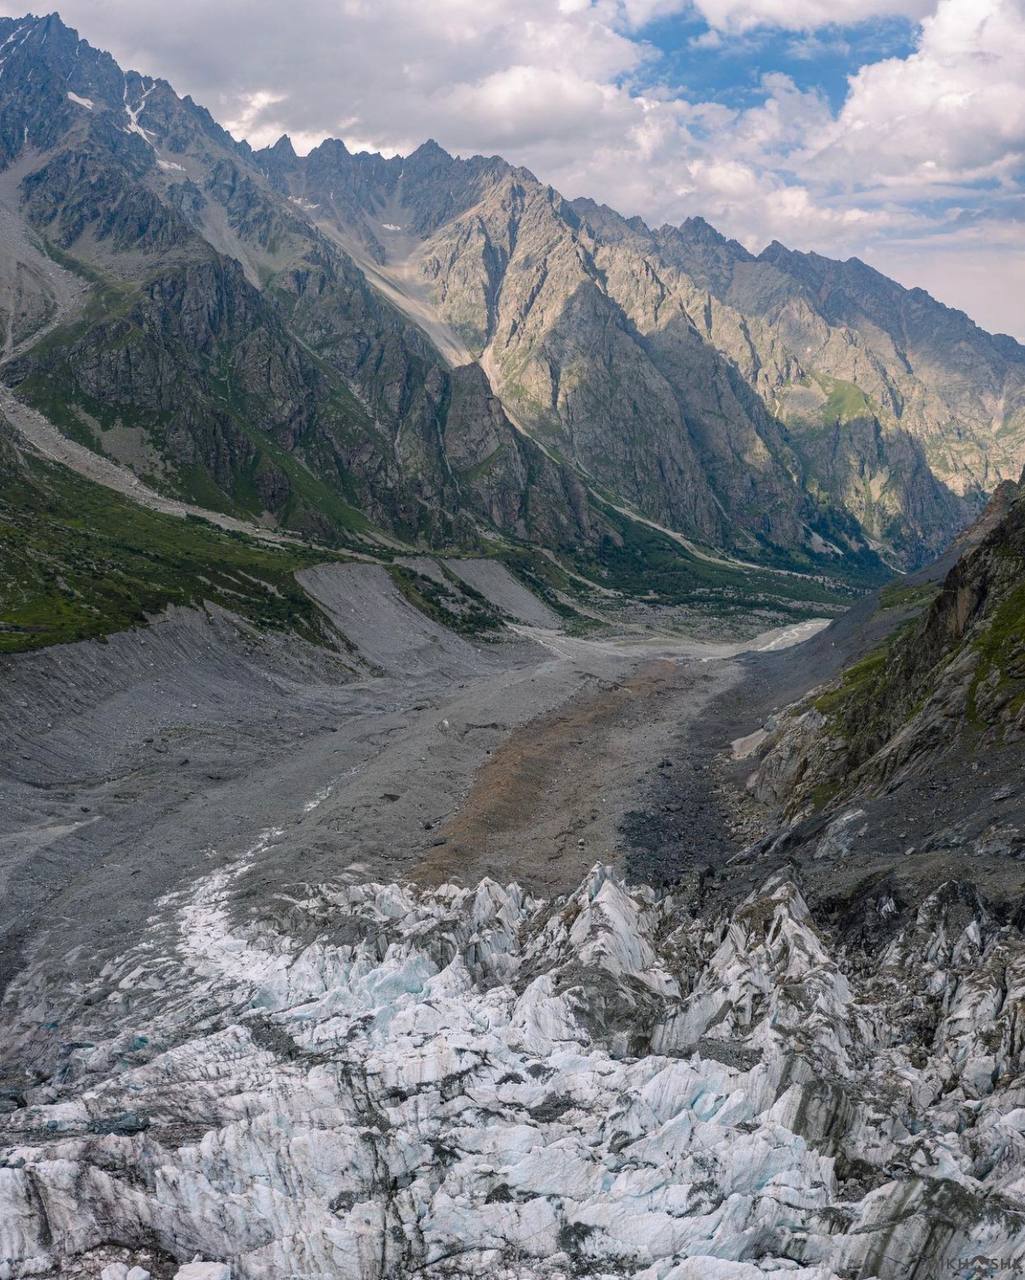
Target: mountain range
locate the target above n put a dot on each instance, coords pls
(447, 352)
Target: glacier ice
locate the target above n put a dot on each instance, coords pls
(378, 1080)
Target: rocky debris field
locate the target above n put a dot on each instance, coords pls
(496, 583)
(130, 765)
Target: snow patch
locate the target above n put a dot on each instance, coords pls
(24, 32)
(82, 102)
(133, 113)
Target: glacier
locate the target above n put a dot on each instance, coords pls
(368, 1080)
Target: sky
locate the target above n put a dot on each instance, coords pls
(890, 130)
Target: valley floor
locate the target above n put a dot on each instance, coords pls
(133, 765)
(266, 1001)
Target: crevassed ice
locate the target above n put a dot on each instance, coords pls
(378, 1081)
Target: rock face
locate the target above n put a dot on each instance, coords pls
(693, 377)
(167, 307)
(951, 683)
(374, 1081)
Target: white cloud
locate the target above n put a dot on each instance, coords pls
(804, 15)
(517, 105)
(953, 111)
(250, 108)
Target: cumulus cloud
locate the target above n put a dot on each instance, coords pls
(803, 15)
(576, 91)
(954, 111)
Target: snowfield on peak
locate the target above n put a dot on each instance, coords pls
(376, 1080)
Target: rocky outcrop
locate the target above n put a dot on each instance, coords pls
(950, 682)
(371, 1080)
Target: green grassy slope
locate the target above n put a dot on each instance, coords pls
(80, 561)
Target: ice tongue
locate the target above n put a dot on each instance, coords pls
(371, 1080)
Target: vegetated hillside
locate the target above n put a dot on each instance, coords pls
(949, 683)
(80, 561)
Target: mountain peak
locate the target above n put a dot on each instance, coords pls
(775, 251)
(430, 150)
(283, 149)
(700, 229)
(43, 25)
(329, 149)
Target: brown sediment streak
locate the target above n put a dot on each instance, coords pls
(540, 793)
